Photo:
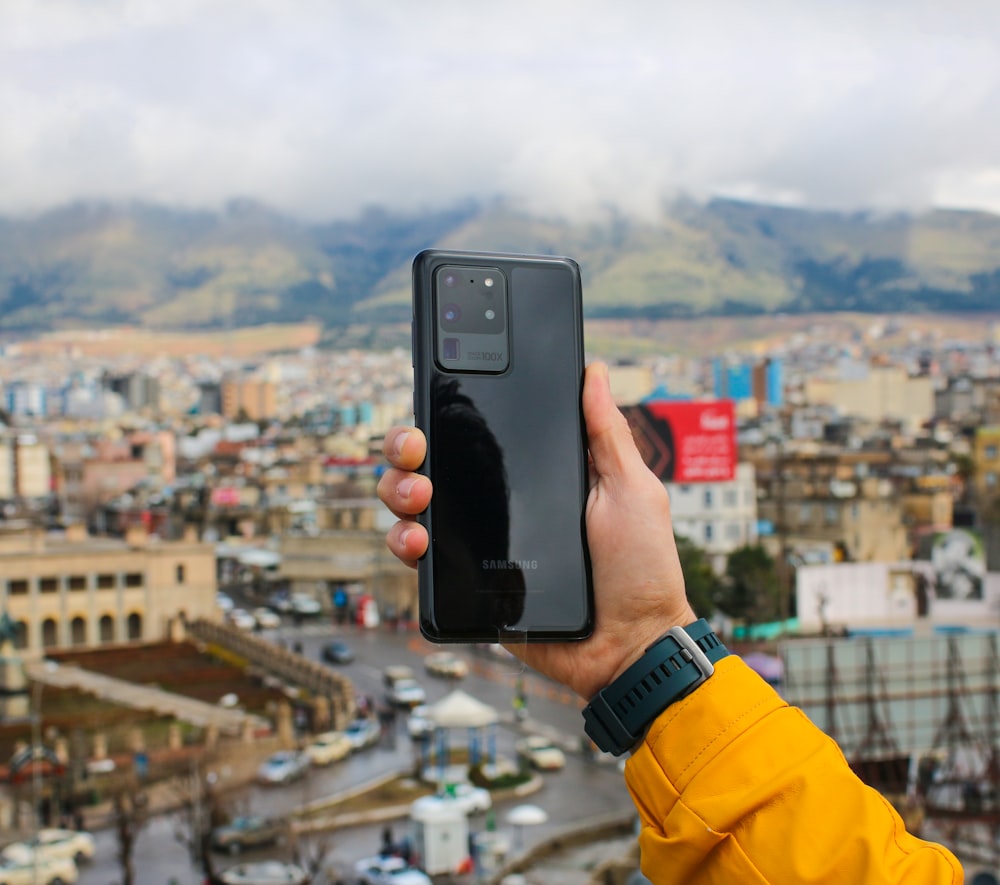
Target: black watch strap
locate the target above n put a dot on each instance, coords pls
(672, 667)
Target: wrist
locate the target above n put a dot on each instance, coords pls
(642, 639)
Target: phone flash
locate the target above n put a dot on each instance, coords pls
(491, 314)
(488, 283)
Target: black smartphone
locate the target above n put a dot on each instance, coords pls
(498, 374)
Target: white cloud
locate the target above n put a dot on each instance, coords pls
(320, 107)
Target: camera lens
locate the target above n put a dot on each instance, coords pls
(452, 313)
(449, 280)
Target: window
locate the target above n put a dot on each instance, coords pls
(830, 514)
(180, 573)
(731, 497)
(77, 582)
(50, 633)
(708, 531)
(107, 628)
(708, 499)
(78, 631)
(105, 582)
(133, 579)
(990, 452)
(18, 587)
(134, 626)
(805, 513)
(20, 635)
(48, 585)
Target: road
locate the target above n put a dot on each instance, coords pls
(583, 791)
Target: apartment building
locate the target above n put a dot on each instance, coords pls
(986, 455)
(719, 517)
(71, 589)
(876, 393)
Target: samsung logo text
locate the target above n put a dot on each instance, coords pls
(492, 565)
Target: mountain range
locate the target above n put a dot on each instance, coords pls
(89, 265)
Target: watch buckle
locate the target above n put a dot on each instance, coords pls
(692, 653)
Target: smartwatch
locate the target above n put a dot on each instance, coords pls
(671, 668)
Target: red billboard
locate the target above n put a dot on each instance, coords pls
(685, 441)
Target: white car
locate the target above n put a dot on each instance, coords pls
(304, 605)
(418, 725)
(265, 872)
(241, 619)
(406, 693)
(266, 619)
(540, 753)
(331, 746)
(446, 664)
(40, 871)
(224, 602)
(53, 842)
(363, 733)
(470, 799)
(283, 767)
(387, 870)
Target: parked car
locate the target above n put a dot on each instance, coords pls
(303, 605)
(224, 602)
(418, 724)
(43, 871)
(363, 733)
(266, 619)
(539, 752)
(247, 831)
(283, 767)
(242, 619)
(77, 845)
(389, 870)
(406, 693)
(470, 799)
(331, 746)
(336, 651)
(446, 664)
(265, 872)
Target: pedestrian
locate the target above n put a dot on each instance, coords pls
(731, 784)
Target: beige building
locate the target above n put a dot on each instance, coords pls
(886, 393)
(25, 468)
(253, 398)
(77, 590)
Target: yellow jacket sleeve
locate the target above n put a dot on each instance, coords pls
(734, 787)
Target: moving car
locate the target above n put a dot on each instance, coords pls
(394, 672)
(336, 651)
(363, 733)
(406, 693)
(389, 870)
(40, 871)
(265, 872)
(283, 767)
(539, 752)
(446, 664)
(331, 746)
(247, 831)
(53, 842)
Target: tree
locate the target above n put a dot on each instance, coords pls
(752, 591)
(702, 583)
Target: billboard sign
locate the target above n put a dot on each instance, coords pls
(684, 441)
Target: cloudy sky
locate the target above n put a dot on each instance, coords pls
(322, 107)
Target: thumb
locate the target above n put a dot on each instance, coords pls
(609, 437)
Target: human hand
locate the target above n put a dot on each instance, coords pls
(638, 585)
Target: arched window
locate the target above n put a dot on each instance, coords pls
(78, 631)
(21, 634)
(135, 626)
(50, 633)
(107, 628)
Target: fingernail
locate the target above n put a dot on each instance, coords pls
(405, 487)
(399, 442)
(403, 536)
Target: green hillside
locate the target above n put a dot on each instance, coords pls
(90, 265)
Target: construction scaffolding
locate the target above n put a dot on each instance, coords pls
(915, 716)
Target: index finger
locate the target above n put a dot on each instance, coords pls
(405, 447)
